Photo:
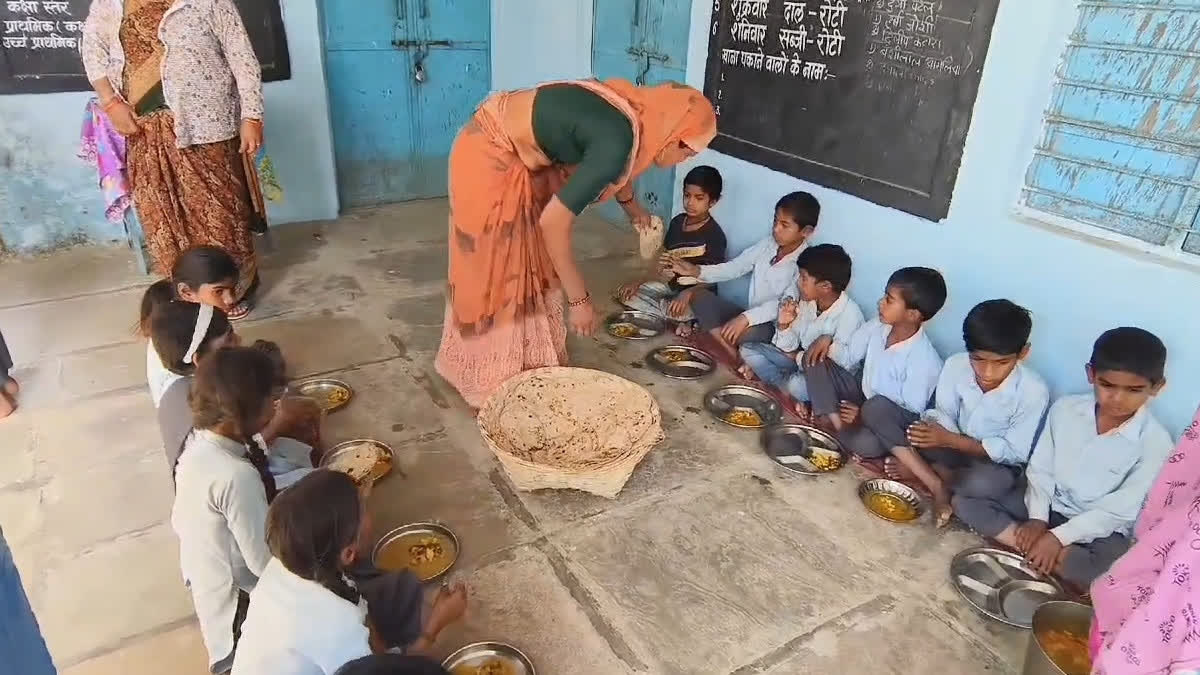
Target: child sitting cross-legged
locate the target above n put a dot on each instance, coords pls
(900, 367)
(1091, 468)
(771, 265)
(694, 235)
(977, 438)
(824, 308)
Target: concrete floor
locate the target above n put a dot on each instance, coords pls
(711, 561)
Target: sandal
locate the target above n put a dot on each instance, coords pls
(246, 304)
(240, 310)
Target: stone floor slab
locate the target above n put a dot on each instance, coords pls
(710, 579)
(395, 402)
(85, 508)
(114, 592)
(179, 651)
(34, 332)
(511, 596)
(86, 270)
(887, 636)
(432, 483)
(84, 434)
(18, 458)
(322, 342)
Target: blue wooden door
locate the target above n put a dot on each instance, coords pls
(644, 41)
(403, 76)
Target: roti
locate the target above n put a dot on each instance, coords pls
(359, 461)
(651, 238)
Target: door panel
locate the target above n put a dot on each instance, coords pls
(445, 101)
(403, 77)
(373, 124)
(372, 24)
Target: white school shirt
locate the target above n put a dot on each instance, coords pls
(220, 517)
(768, 283)
(1098, 481)
(906, 372)
(157, 376)
(839, 321)
(298, 627)
(1004, 420)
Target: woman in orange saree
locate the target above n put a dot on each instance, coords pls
(520, 171)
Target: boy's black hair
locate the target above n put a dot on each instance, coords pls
(826, 262)
(1130, 350)
(922, 288)
(997, 326)
(802, 207)
(391, 664)
(706, 178)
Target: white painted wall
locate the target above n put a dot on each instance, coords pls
(1076, 286)
(539, 40)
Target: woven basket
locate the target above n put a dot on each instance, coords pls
(570, 428)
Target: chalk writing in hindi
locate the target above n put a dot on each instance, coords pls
(865, 96)
(37, 28)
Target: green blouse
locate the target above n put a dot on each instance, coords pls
(575, 126)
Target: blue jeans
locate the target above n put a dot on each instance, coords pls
(21, 646)
(776, 368)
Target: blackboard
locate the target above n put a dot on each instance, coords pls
(869, 97)
(40, 49)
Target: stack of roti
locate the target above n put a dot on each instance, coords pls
(570, 428)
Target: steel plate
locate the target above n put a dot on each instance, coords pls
(428, 529)
(1001, 585)
(896, 489)
(341, 448)
(734, 397)
(791, 446)
(697, 364)
(480, 653)
(646, 325)
(330, 394)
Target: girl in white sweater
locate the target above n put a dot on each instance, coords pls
(222, 488)
(311, 613)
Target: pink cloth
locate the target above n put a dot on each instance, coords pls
(102, 147)
(1147, 618)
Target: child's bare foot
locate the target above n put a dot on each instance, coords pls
(942, 511)
(11, 387)
(684, 329)
(7, 405)
(895, 470)
(801, 410)
(746, 372)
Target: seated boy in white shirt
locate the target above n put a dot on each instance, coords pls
(1091, 469)
(978, 436)
(771, 264)
(900, 366)
(824, 308)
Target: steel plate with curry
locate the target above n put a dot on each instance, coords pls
(427, 549)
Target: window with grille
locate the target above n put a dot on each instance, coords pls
(1121, 145)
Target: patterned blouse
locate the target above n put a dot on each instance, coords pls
(210, 75)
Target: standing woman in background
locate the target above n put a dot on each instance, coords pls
(180, 80)
(521, 170)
